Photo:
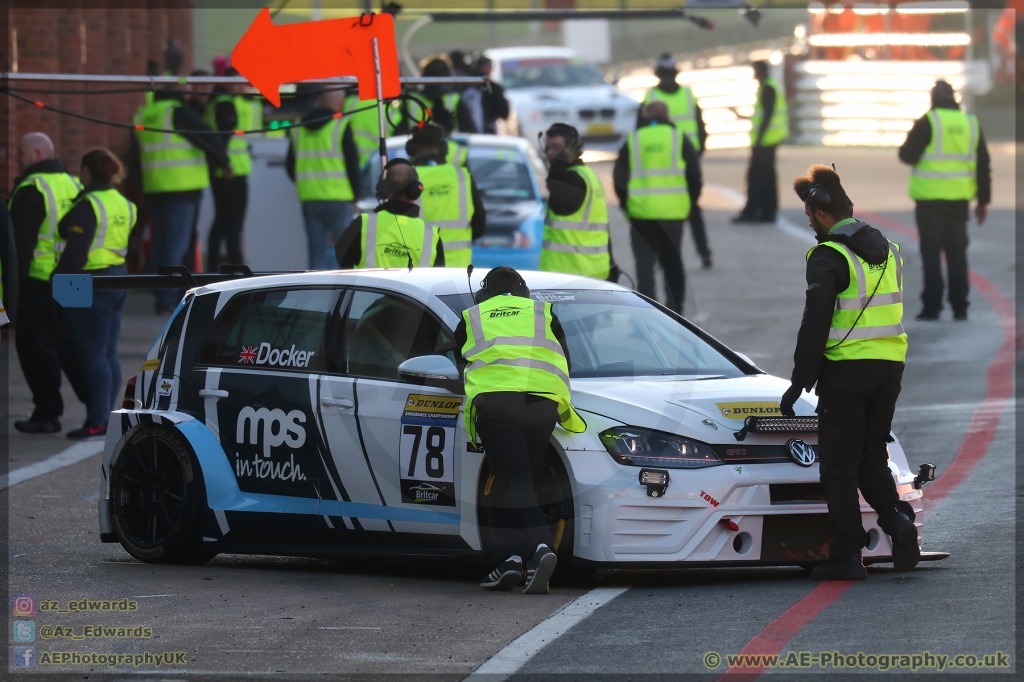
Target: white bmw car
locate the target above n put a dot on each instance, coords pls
(319, 414)
(546, 85)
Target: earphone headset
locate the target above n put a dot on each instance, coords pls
(573, 142)
(412, 191)
(484, 292)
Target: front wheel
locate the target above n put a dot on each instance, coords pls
(157, 495)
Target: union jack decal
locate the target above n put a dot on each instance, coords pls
(247, 355)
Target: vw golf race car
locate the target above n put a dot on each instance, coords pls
(321, 414)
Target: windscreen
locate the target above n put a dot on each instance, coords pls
(620, 334)
(501, 174)
(550, 73)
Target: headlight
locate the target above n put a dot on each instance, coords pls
(644, 447)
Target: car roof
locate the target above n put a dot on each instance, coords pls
(502, 53)
(472, 139)
(429, 281)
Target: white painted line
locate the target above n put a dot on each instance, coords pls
(344, 627)
(782, 224)
(518, 652)
(73, 455)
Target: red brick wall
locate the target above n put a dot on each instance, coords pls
(50, 40)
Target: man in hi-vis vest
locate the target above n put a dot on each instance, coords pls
(516, 366)
(393, 235)
(769, 127)
(951, 168)
(852, 345)
(657, 179)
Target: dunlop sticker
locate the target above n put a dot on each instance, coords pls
(741, 411)
(150, 365)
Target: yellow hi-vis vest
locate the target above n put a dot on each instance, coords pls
(778, 127)
(320, 173)
(238, 147)
(657, 174)
(510, 347)
(170, 163)
(450, 101)
(389, 241)
(448, 205)
(948, 168)
(577, 244)
(458, 154)
(878, 334)
(59, 191)
(682, 109)
(115, 218)
(365, 124)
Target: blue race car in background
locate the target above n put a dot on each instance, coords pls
(510, 175)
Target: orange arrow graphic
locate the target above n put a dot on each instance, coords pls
(269, 55)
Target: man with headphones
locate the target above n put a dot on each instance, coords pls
(576, 239)
(516, 367)
(392, 236)
(852, 345)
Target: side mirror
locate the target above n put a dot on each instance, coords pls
(432, 370)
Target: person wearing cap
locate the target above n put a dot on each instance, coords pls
(769, 128)
(851, 347)
(515, 360)
(657, 179)
(451, 201)
(393, 235)
(686, 116)
(951, 164)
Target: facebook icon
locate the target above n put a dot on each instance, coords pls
(24, 657)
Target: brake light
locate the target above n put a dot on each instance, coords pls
(521, 240)
(129, 395)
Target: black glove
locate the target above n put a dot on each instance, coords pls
(788, 399)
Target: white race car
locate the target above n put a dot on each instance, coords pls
(319, 414)
(546, 85)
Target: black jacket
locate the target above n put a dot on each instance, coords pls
(828, 274)
(768, 106)
(495, 107)
(77, 228)
(28, 210)
(478, 222)
(188, 123)
(460, 341)
(349, 248)
(9, 263)
(348, 146)
(920, 136)
(671, 87)
(694, 178)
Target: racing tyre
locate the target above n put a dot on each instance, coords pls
(157, 495)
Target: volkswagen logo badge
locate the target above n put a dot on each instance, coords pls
(800, 452)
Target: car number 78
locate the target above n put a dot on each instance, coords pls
(434, 462)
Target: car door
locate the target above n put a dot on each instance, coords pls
(263, 358)
(410, 437)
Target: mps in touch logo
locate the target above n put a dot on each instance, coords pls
(24, 605)
(24, 657)
(24, 631)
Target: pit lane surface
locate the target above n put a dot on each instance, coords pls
(252, 615)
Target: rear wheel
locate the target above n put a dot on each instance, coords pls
(157, 496)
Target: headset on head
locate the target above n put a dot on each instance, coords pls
(412, 191)
(573, 142)
(484, 292)
(819, 198)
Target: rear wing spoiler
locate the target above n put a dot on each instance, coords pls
(75, 291)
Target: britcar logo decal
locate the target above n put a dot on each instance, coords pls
(266, 354)
(504, 312)
(707, 498)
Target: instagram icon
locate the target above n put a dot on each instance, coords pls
(24, 605)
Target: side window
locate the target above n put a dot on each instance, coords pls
(383, 331)
(279, 329)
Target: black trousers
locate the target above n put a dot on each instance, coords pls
(943, 228)
(515, 430)
(856, 401)
(661, 241)
(230, 198)
(762, 186)
(700, 232)
(44, 348)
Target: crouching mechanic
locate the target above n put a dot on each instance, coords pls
(517, 389)
(392, 236)
(852, 344)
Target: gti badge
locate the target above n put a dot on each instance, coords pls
(800, 452)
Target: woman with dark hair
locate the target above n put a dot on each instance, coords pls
(96, 233)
